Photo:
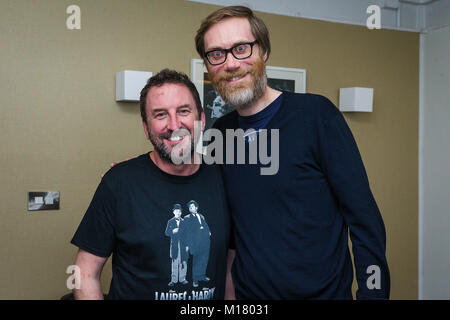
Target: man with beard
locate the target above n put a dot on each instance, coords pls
(128, 214)
(291, 228)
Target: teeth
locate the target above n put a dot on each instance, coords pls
(176, 138)
(236, 78)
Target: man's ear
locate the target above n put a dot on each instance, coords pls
(203, 119)
(265, 57)
(144, 124)
(206, 63)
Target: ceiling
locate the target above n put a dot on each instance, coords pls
(405, 15)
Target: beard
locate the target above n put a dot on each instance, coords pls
(170, 155)
(241, 95)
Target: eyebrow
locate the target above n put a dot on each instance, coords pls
(179, 107)
(233, 45)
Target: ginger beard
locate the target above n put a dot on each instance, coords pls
(241, 95)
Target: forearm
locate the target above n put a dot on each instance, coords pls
(90, 289)
(90, 270)
(229, 285)
(372, 271)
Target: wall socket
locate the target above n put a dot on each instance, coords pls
(43, 200)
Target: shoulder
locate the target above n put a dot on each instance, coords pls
(310, 102)
(228, 121)
(125, 170)
(310, 106)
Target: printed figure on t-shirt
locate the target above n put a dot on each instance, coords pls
(198, 240)
(178, 252)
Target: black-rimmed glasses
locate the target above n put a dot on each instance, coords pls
(240, 51)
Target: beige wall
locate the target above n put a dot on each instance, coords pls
(60, 126)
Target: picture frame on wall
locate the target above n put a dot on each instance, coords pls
(279, 78)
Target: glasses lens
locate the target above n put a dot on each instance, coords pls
(242, 51)
(216, 57)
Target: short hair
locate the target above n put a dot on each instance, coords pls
(258, 27)
(192, 202)
(168, 76)
(177, 206)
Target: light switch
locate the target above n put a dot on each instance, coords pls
(43, 200)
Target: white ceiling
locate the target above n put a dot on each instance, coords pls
(407, 15)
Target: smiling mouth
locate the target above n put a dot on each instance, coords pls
(236, 78)
(176, 138)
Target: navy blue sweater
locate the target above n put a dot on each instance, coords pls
(291, 228)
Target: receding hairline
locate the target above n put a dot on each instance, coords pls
(192, 104)
(155, 109)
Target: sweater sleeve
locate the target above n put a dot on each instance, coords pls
(342, 164)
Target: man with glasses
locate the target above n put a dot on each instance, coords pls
(291, 228)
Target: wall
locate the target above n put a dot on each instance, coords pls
(435, 166)
(60, 126)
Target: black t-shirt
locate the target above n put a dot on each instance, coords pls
(132, 216)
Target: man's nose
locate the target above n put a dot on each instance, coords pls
(174, 123)
(231, 63)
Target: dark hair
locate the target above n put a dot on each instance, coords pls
(192, 202)
(168, 76)
(258, 27)
(177, 206)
